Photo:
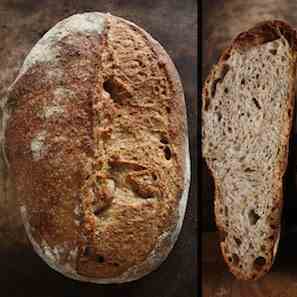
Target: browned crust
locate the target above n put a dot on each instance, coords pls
(178, 119)
(78, 116)
(261, 33)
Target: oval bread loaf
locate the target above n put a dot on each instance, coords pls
(96, 142)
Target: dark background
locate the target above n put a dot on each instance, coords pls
(174, 24)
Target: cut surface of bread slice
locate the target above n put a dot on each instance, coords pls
(248, 102)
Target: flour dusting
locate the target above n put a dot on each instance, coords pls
(46, 49)
(37, 145)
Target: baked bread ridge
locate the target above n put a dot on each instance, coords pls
(234, 241)
(175, 140)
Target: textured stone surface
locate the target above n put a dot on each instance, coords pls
(22, 23)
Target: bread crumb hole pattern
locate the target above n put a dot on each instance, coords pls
(167, 153)
(256, 102)
(259, 263)
(100, 259)
(237, 240)
(253, 217)
(235, 259)
(222, 235)
(117, 90)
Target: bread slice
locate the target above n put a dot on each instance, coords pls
(247, 113)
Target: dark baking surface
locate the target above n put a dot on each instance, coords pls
(222, 21)
(174, 24)
(281, 281)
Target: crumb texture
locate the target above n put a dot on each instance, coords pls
(247, 114)
(99, 162)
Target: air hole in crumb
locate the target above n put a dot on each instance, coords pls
(273, 51)
(253, 217)
(87, 252)
(109, 86)
(100, 259)
(167, 153)
(237, 240)
(226, 211)
(214, 87)
(242, 81)
(116, 264)
(289, 112)
(226, 90)
(263, 248)
(283, 58)
(226, 56)
(235, 259)
(97, 211)
(206, 105)
(222, 235)
(257, 76)
(248, 170)
(230, 259)
(259, 263)
(154, 176)
(229, 129)
(169, 110)
(116, 89)
(256, 103)
(219, 115)
(164, 140)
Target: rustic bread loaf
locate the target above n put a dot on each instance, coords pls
(247, 115)
(96, 142)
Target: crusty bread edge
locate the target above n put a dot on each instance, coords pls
(167, 240)
(153, 261)
(244, 41)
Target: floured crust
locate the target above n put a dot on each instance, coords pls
(124, 227)
(260, 34)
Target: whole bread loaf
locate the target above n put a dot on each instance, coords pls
(96, 143)
(248, 102)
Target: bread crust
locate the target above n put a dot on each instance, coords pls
(80, 51)
(261, 33)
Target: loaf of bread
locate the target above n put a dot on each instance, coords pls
(248, 102)
(96, 143)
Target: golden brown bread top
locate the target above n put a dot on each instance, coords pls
(96, 144)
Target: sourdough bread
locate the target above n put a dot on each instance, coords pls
(96, 142)
(247, 115)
